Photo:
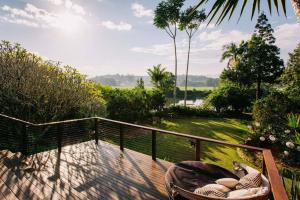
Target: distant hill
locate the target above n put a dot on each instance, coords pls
(130, 80)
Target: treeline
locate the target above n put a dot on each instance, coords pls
(116, 80)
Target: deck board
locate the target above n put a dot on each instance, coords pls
(82, 171)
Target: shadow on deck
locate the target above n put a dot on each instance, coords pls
(82, 171)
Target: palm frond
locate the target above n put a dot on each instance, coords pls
(227, 7)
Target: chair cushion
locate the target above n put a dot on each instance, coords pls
(252, 180)
(227, 182)
(218, 187)
(210, 192)
(242, 193)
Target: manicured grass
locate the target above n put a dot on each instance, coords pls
(177, 149)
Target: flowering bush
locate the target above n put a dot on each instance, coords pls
(284, 140)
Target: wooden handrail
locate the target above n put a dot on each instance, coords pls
(269, 164)
(277, 187)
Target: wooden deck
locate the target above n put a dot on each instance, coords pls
(82, 171)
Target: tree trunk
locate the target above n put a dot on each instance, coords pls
(258, 89)
(296, 6)
(187, 72)
(175, 83)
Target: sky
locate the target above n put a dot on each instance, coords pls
(100, 37)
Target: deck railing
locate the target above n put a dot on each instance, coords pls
(18, 135)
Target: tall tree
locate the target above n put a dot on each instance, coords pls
(167, 17)
(190, 22)
(264, 30)
(291, 76)
(259, 62)
(228, 7)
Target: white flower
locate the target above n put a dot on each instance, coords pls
(269, 127)
(249, 127)
(286, 153)
(290, 145)
(257, 124)
(287, 131)
(298, 148)
(272, 138)
(262, 138)
(249, 138)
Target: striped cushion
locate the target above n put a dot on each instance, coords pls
(210, 192)
(252, 180)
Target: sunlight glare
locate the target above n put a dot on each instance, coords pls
(69, 23)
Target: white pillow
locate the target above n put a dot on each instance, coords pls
(218, 187)
(227, 182)
(242, 193)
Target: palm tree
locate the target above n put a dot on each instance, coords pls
(191, 24)
(227, 7)
(157, 74)
(231, 52)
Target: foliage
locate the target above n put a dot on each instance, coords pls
(274, 128)
(231, 52)
(140, 83)
(291, 76)
(291, 181)
(259, 63)
(228, 7)
(127, 105)
(230, 97)
(271, 109)
(167, 14)
(161, 79)
(43, 91)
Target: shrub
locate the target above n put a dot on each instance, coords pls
(271, 110)
(230, 97)
(130, 105)
(40, 91)
(274, 128)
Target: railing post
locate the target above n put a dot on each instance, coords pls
(121, 138)
(96, 131)
(153, 145)
(25, 139)
(59, 137)
(198, 150)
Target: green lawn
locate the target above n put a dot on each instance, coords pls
(177, 149)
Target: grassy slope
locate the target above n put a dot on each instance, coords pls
(176, 149)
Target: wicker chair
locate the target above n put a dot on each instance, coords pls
(197, 171)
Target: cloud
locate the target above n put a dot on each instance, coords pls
(122, 26)
(19, 21)
(287, 36)
(56, 2)
(207, 42)
(14, 12)
(33, 16)
(140, 11)
(70, 5)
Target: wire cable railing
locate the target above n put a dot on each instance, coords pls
(29, 138)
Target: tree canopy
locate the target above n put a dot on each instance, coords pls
(257, 60)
